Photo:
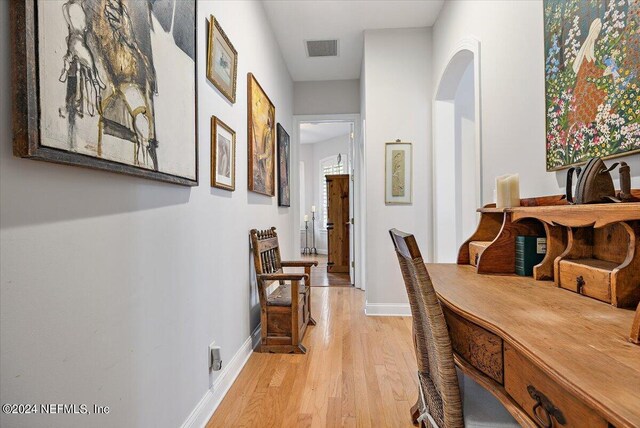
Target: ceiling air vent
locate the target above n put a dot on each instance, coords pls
(319, 48)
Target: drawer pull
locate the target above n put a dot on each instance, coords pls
(550, 411)
(579, 284)
(476, 260)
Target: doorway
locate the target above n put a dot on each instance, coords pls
(457, 152)
(327, 145)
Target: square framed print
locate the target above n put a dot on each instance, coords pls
(107, 85)
(284, 168)
(222, 61)
(261, 123)
(223, 155)
(398, 173)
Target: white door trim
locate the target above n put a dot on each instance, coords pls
(358, 173)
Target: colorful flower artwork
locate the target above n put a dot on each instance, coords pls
(592, 76)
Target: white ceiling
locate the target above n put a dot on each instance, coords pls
(295, 22)
(315, 132)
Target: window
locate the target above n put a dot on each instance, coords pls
(329, 166)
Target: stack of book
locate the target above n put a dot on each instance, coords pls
(530, 250)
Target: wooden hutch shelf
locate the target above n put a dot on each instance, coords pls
(592, 250)
(579, 215)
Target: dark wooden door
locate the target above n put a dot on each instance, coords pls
(338, 223)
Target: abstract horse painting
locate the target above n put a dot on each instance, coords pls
(117, 83)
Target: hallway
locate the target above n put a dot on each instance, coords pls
(321, 278)
(357, 368)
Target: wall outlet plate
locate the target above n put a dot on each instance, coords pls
(215, 358)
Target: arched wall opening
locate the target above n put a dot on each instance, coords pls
(457, 174)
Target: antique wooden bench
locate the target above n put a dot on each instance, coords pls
(285, 310)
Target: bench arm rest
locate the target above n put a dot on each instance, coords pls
(299, 263)
(283, 276)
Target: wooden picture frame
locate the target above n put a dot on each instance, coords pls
(223, 155)
(398, 173)
(284, 167)
(261, 124)
(29, 113)
(222, 61)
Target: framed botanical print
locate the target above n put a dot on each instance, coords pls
(222, 61)
(107, 85)
(223, 155)
(284, 166)
(398, 173)
(261, 123)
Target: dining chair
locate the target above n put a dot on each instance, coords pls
(447, 398)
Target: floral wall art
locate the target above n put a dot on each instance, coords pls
(592, 76)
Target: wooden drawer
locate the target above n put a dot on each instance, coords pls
(589, 277)
(475, 250)
(480, 348)
(523, 381)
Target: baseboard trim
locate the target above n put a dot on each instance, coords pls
(387, 309)
(213, 397)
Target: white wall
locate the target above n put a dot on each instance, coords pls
(466, 218)
(312, 155)
(326, 97)
(512, 85)
(113, 287)
(454, 162)
(397, 86)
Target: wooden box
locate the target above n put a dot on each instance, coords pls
(475, 251)
(603, 263)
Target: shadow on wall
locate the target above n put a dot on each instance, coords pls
(254, 299)
(44, 192)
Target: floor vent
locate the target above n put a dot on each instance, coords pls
(320, 48)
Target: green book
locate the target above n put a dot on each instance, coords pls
(530, 250)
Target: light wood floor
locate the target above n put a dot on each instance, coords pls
(359, 371)
(321, 278)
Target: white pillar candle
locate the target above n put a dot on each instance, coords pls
(514, 190)
(508, 191)
(306, 217)
(313, 208)
(501, 190)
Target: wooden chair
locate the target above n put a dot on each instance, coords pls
(285, 311)
(440, 403)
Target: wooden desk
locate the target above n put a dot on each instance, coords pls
(511, 332)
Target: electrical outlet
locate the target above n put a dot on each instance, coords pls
(215, 358)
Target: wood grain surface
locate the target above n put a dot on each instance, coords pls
(580, 343)
(358, 371)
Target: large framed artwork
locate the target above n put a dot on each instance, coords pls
(223, 155)
(284, 166)
(107, 84)
(398, 173)
(592, 77)
(261, 123)
(222, 61)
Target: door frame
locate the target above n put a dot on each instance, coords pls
(356, 203)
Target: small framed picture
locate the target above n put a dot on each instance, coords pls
(284, 165)
(398, 173)
(223, 155)
(222, 61)
(261, 131)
